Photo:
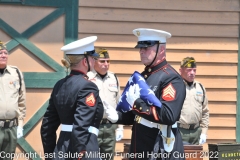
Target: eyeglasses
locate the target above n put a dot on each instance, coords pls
(103, 61)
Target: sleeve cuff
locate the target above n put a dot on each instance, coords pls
(204, 131)
(20, 123)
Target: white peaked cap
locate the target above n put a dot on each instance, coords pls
(147, 34)
(80, 46)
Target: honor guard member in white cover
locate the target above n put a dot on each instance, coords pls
(109, 91)
(194, 119)
(12, 104)
(76, 106)
(148, 121)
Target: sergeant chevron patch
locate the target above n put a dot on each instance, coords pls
(169, 93)
(90, 100)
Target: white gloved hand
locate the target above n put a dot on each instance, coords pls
(19, 132)
(119, 134)
(203, 138)
(132, 94)
(112, 114)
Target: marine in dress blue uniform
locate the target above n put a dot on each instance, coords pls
(76, 106)
(150, 122)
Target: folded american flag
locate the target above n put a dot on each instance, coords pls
(146, 94)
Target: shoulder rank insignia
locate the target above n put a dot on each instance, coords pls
(90, 100)
(169, 93)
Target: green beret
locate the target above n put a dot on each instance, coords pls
(188, 62)
(102, 52)
(2, 46)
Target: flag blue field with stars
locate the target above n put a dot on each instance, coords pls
(146, 94)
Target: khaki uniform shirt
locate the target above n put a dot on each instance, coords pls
(109, 87)
(194, 110)
(12, 102)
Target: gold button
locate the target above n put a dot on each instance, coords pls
(140, 108)
(147, 110)
(149, 70)
(145, 76)
(134, 106)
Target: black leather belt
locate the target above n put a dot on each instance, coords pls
(188, 126)
(7, 123)
(104, 121)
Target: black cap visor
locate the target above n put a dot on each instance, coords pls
(145, 44)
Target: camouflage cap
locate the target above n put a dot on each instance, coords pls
(102, 52)
(2, 46)
(188, 62)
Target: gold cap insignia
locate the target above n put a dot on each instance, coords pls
(103, 53)
(188, 62)
(2, 46)
(138, 33)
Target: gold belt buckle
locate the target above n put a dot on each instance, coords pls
(168, 140)
(138, 119)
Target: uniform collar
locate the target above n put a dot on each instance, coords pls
(2, 70)
(8, 69)
(76, 72)
(194, 83)
(93, 74)
(149, 70)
